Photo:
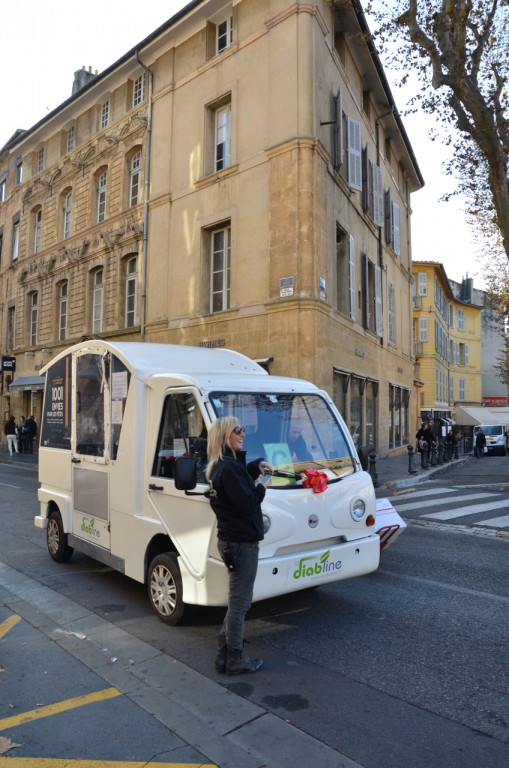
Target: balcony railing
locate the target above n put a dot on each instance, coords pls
(418, 349)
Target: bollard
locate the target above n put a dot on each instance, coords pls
(447, 452)
(372, 468)
(424, 456)
(456, 450)
(411, 460)
(434, 459)
(440, 458)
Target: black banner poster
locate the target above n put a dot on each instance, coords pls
(56, 419)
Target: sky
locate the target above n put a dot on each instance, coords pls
(55, 43)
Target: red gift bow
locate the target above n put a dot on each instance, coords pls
(316, 480)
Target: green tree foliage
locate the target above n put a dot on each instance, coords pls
(458, 52)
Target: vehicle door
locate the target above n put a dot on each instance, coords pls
(189, 520)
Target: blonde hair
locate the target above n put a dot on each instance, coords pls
(219, 434)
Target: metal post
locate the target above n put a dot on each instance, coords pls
(456, 451)
(440, 457)
(411, 460)
(434, 446)
(372, 468)
(424, 456)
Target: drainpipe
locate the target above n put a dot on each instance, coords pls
(143, 290)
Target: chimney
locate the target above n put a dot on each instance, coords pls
(82, 77)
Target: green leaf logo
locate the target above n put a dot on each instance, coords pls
(325, 556)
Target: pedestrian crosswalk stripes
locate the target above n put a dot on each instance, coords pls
(474, 509)
(458, 506)
(495, 522)
(430, 503)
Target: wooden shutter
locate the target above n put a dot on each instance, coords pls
(351, 261)
(378, 196)
(378, 301)
(337, 132)
(354, 154)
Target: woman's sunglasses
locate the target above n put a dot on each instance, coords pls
(239, 430)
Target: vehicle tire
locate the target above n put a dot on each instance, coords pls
(164, 585)
(56, 539)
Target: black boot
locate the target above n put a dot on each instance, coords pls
(237, 663)
(220, 661)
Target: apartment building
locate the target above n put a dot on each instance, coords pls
(448, 345)
(241, 178)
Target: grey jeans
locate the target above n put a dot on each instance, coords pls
(240, 592)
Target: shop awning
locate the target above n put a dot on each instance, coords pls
(471, 417)
(28, 383)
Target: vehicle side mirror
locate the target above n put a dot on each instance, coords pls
(363, 454)
(185, 473)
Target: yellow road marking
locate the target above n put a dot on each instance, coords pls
(51, 762)
(8, 624)
(55, 709)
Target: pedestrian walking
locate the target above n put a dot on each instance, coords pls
(12, 438)
(480, 443)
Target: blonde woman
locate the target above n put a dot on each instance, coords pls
(236, 497)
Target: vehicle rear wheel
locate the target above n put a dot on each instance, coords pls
(165, 588)
(56, 539)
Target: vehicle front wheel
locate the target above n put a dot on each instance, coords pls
(56, 539)
(165, 588)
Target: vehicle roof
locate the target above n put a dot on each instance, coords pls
(209, 368)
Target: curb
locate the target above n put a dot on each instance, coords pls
(426, 474)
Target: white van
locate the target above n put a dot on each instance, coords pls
(121, 422)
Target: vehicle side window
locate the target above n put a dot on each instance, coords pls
(91, 376)
(182, 433)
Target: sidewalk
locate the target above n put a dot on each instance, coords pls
(28, 460)
(393, 472)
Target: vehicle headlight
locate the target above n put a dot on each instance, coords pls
(266, 523)
(357, 509)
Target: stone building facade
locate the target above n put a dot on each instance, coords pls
(448, 344)
(241, 178)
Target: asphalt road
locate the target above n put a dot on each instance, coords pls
(404, 667)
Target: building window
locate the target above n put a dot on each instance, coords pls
(1, 243)
(423, 329)
(220, 245)
(392, 225)
(10, 329)
(139, 90)
(422, 284)
(135, 179)
(37, 230)
(224, 34)
(101, 190)
(399, 399)
(223, 136)
(131, 292)
(451, 390)
(62, 311)
(392, 313)
(97, 301)
(345, 273)
(33, 319)
(19, 171)
(461, 319)
(105, 113)
(337, 132)
(40, 160)
(372, 296)
(66, 215)
(15, 239)
(3, 188)
(462, 389)
(71, 138)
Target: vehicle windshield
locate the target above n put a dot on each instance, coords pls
(293, 432)
(492, 430)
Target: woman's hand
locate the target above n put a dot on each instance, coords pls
(264, 468)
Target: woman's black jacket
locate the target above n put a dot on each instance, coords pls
(235, 499)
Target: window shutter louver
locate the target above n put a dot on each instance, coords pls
(378, 199)
(337, 132)
(351, 261)
(378, 301)
(354, 154)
